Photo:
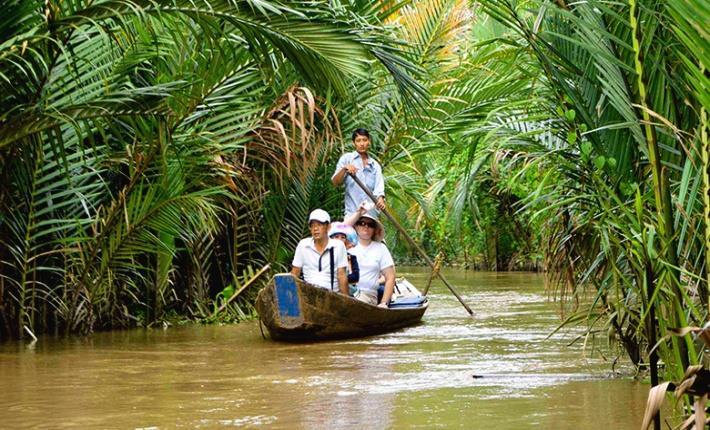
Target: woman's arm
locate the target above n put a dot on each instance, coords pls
(379, 190)
(352, 219)
(389, 286)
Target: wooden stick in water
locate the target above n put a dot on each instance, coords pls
(413, 243)
(244, 287)
(437, 266)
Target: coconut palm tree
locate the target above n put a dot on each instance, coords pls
(132, 139)
(624, 196)
(417, 142)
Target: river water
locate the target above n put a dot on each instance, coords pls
(494, 371)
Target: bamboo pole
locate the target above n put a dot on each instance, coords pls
(238, 292)
(705, 152)
(651, 328)
(437, 264)
(411, 241)
(685, 352)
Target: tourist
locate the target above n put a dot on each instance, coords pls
(346, 234)
(321, 261)
(373, 258)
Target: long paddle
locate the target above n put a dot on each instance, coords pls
(411, 242)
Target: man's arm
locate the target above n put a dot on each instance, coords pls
(343, 167)
(341, 262)
(297, 262)
(343, 281)
(339, 176)
(389, 285)
(379, 190)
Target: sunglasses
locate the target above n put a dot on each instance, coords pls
(366, 224)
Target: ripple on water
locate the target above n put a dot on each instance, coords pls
(255, 420)
(448, 372)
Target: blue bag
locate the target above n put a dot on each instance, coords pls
(408, 302)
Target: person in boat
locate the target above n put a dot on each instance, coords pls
(320, 260)
(373, 257)
(346, 234)
(362, 165)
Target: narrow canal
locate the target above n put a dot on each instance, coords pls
(495, 371)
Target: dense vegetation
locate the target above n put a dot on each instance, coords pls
(154, 155)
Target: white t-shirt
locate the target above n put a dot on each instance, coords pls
(315, 267)
(372, 259)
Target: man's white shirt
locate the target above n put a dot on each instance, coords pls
(315, 267)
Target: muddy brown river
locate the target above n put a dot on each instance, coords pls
(494, 371)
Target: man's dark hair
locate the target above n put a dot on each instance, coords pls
(361, 132)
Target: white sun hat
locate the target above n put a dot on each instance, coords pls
(379, 234)
(319, 215)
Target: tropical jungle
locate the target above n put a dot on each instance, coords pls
(156, 156)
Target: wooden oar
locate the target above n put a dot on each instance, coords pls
(412, 242)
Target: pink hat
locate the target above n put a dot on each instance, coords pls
(345, 229)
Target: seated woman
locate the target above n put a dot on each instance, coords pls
(373, 258)
(346, 234)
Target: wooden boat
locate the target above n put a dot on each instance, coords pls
(292, 310)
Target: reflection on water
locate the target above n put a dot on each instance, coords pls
(494, 371)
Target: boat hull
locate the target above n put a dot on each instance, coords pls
(292, 310)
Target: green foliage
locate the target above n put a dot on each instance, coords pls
(153, 153)
(433, 152)
(622, 215)
(145, 147)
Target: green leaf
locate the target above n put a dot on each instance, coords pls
(586, 148)
(599, 162)
(571, 137)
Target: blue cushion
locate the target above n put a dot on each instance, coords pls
(408, 302)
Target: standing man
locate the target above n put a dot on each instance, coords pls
(322, 261)
(369, 171)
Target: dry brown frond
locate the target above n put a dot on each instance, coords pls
(294, 134)
(653, 405)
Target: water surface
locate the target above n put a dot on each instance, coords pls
(497, 370)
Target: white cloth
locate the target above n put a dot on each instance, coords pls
(315, 267)
(370, 175)
(372, 259)
(367, 296)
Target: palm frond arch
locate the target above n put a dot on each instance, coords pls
(120, 121)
